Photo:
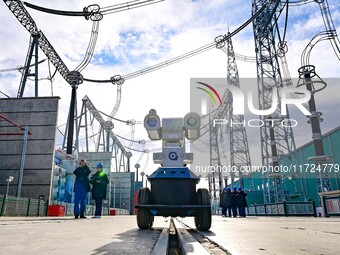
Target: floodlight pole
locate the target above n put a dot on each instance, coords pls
(8, 180)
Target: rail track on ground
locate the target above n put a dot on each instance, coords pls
(177, 238)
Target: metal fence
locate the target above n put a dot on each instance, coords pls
(283, 209)
(90, 209)
(24, 207)
(13, 206)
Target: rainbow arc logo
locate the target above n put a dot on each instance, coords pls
(211, 92)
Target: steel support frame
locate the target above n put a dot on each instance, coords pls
(276, 141)
(215, 160)
(87, 116)
(239, 147)
(32, 50)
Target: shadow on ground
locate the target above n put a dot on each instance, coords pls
(135, 241)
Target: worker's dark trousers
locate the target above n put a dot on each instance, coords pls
(229, 211)
(242, 211)
(234, 209)
(99, 204)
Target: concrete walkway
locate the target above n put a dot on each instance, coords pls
(275, 235)
(109, 235)
(120, 235)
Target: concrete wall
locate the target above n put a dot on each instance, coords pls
(40, 114)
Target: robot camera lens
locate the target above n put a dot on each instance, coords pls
(152, 122)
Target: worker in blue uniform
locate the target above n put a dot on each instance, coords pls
(229, 201)
(99, 183)
(234, 201)
(80, 189)
(242, 202)
(223, 202)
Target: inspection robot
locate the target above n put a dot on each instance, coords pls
(173, 186)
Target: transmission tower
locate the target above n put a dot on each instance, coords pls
(236, 132)
(239, 148)
(277, 141)
(215, 156)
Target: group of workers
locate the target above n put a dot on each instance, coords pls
(234, 202)
(82, 186)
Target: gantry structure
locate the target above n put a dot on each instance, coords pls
(277, 141)
(235, 133)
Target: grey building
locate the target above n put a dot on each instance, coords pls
(31, 167)
(123, 189)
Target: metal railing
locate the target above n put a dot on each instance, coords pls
(90, 209)
(14, 206)
(25, 207)
(283, 209)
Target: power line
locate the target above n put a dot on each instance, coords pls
(93, 11)
(5, 94)
(124, 121)
(20, 68)
(219, 41)
(27, 21)
(90, 47)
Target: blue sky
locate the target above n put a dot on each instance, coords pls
(135, 39)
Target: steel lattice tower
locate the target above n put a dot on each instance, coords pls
(215, 156)
(277, 141)
(236, 133)
(239, 148)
